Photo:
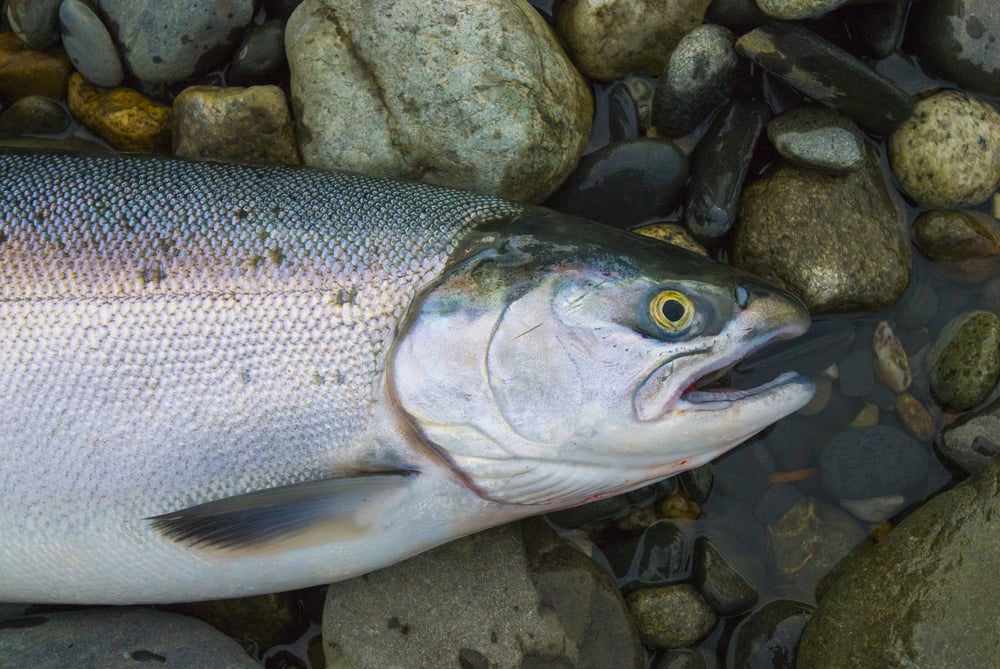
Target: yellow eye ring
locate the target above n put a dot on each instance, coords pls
(671, 311)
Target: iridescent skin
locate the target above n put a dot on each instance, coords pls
(174, 333)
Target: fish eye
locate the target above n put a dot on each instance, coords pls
(671, 311)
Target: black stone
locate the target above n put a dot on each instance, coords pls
(697, 483)
(878, 27)
(959, 38)
(872, 461)
(770, 636)
(721, 586)
(260, 58)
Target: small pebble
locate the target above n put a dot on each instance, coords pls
(679, 505)
(891, 365)
(128, 120)
(973, 439)
(679, 658)
(915, 417)
(769, 637)
(720, 584)
(820, 399)
(672, 616)
(260, 58)
(964, 361)
(33, 115)
(867, 417)
(35, 21)
(874, 509)
(818, 138)
(792, 10)
(672, 233)
(955, 236)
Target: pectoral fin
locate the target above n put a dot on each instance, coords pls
(338, 507)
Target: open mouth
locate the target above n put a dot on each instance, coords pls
(720, 397)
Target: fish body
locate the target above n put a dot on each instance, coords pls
(221, 380)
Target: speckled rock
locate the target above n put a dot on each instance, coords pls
(699, 76)
(443, 101)
(956, 235)
(818, 138)
(505, 597)
(921, 596)
(161, 45)
(915, 417)
(672, 233)
(964, 361)
(236, 124)
(117, 638)
(25, 71)
(33, 115)
(806, 542)
(770, 636)
(866, 462)
(128, 120)
(959, 38)
(608, 39)
(89, 45)
(891, 364)
(973, 439)
(671, 616)
(35, 21)
(932, 152)
(837, 242)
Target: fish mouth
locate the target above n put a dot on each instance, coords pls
(658, 395)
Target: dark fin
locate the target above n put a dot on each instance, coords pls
(339, 506)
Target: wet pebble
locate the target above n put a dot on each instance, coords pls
(849, 249)
(672, 233)
(879, 27)
(964, 361)
(915, 417)
(671, 616)
(33, 115)
(959, 39)
(891, 363)
(828, 75)
(791, 10)
(260, 58)
(161, 45)
(608, 39)
(719, 167)
(867, 417)
(25, 71)
(616, 116)
(263, 620)
(658, 556)
(820, 399)
(951, 235)
(742, 473)
(818, 138)
(699, 76)
(237, 124)
(625, 183)
(867, 462)
(932, 152)
(720, 584)
(128, 120)
(35, 21)
(874, 509)
(973, 439)
(776, 502)
(679, 658)
(89, 45)
(917, 306)
(770, 636)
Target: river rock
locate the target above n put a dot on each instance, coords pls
(657, 556)
(837, 242)
(866, 462)
(933, 152)
(950, 235)
(250, 125)
(609, 39)
(506, 597)
(679, 658)
(25, 71)
(818, 138)
(792, 10)
(973, 439)
(828, 75)
(672, 616)
(128, 120)
(117, 638)
(959, 39)
(625, 183)
(923, 595)
(720, 584)
(161, 44)
(964, 361)
(89, 45)
(261, 621)
(671, 233)
(442, 101)
(33, 115)
(879, 27)
(260, 58)
(770, 636)
(699, 76)
(35, 21)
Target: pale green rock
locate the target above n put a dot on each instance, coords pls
(964, 360)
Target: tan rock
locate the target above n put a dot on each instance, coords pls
(25, 71)
(128, 120)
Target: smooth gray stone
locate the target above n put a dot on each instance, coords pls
(818, 138)
(35, 21)
(89, 45)
(871, 461)
(973, 439)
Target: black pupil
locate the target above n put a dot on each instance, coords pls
(673, 310)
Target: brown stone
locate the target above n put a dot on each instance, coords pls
(127, 119)
(25, 71)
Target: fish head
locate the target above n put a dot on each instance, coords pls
(559, 361)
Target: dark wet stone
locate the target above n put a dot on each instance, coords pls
(792, 10)
(737, 15)
(25, 71)
(838, 413)
(616, 117)
(672, 616)
(959, 38)
(601, 511)
(699, 76)
(856, 373)
(118, 638)
(917, 306)
(776, 502)
(742, 472)
(722, 587)
(35, 21)
(827, 74)
(923, 596)
(625, 183)
(281, 9)
(679, 658)
(879, 26)
(657, 556)
(698, 482)
(792, 443)
(260, 58)
(719, 166)
(839, 243)
(956, 235)
(964, 362)
(872, 461)
(973, 439)
(770, 637)
(818, 138)
(33, 115)
(264, 620)
(806, 542)
(89, 45)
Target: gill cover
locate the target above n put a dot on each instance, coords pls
(548, 365)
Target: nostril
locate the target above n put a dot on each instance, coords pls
(741, 295)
